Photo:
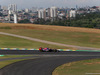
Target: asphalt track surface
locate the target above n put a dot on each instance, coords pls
(45, 63)
(33, 52)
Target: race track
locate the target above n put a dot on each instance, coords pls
(45, 64)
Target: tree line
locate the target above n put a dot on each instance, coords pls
(88, 20)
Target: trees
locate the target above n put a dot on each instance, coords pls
(1, 14)
(24, 21)
(88, 20)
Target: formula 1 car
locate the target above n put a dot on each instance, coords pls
(48, 50)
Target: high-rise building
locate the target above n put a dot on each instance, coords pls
(15, 18)
(53, 12)
(44, 14)
(13, 7)
(76, 7)
(47, 14)
(12, 10)
(73, 13)
(50, 13)
(0, 7)
(41, 13)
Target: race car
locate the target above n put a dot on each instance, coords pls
(47, 50)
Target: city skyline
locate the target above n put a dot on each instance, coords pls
(44, 3)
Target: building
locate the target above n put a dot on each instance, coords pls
(99, 8)
(27, 10)
(13, 7)
(68, 13)
(53, 12)
(49, 13)
(42, 13)
(5, 8)
(73, 13)
(0, 7)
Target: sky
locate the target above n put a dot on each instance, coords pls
(48, 3)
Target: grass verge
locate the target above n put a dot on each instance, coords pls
(14, 42)
(7, 62)
(50, 27)
(13, 56)
(71, 38)
(67, 35)
(79, 68)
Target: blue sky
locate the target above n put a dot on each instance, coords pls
(49, 3)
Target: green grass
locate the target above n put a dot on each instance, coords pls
(71, 38)
(13, 56)
(7, 27)
(14, 42)
(79, 68)
(7, 62)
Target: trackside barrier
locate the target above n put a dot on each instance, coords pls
(57, 49)
(64, 49)
(2, 55)
(17, 49)
(89, 50)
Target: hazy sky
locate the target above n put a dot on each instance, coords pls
(49, 3)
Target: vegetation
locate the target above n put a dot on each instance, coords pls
(7, 62)
(14, 42)
(1, 14)
(79, 68)
(50, 28)
(70, 37)
(24, 21)
(88, 20)
(67, 35)
(7, 27)
(13, 56)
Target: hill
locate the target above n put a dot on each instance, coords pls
(50, 27)
(66, 35)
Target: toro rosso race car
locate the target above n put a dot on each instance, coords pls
(47, 50)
